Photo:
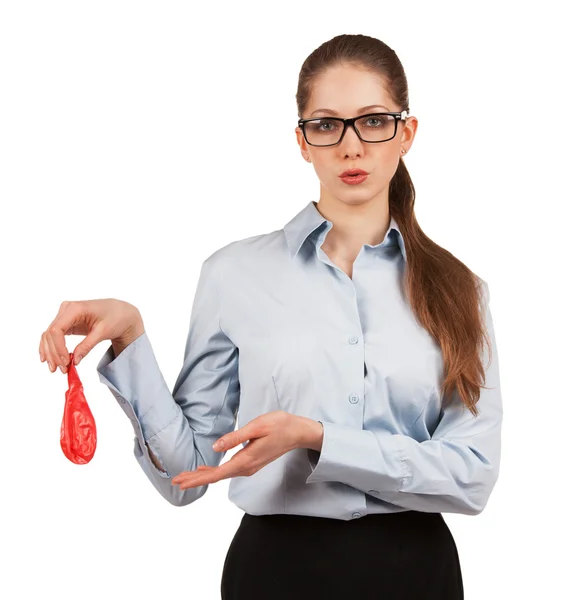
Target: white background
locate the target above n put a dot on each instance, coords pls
(112, 186)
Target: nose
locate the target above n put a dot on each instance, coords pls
(351, 142)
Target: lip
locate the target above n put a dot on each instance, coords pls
(350, 172)
(356, 180)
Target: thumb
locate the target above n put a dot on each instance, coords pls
(82, 349)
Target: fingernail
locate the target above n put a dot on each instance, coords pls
(77, 359)
(218, 445)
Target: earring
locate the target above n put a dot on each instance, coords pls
(402, 151)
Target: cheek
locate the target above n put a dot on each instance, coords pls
(325, 174)
(385, 162)
(382, 173)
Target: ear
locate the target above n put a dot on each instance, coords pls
(408, 134)
(302, 144)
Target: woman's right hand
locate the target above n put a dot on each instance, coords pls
(98, 320)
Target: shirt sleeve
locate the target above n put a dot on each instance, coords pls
(180, 427)
(454, 471)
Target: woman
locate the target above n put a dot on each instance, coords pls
(352, 350)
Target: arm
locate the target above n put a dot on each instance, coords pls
(118, 346)
(454, 471)
(155, 460)
(174, 432)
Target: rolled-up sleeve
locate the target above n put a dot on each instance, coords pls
(180, 427)
(454, 471)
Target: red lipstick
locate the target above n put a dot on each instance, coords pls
(353, 176)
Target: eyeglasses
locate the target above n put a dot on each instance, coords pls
(373, 128)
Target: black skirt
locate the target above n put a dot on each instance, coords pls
(391, 556)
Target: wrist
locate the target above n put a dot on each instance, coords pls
(311, 434)
(120, 343)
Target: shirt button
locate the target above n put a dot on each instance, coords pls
(372, 492)
(353, 339)
(353, 399)
(356, 515)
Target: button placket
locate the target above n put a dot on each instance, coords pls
(353, 397)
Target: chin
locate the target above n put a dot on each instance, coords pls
(355, 197)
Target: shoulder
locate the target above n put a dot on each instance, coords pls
(484, 291)
(264, 248)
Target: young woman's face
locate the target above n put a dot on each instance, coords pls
(345, 90)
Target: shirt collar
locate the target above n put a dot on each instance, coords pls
(300, 227)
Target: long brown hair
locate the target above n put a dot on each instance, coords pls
(446, 297)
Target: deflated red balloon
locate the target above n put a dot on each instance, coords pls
(78, 428)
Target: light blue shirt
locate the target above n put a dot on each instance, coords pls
(276, 325)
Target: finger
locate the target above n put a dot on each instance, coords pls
(197, 478)
(190, 478)
(95, 336)
(53, 358)
(185, 475)
(42, 348)
(238, 465)
(48, 353)
(62, 308)
(232, 468)
(45, 349)
(69, 314)
(255, 429)
(231, 440)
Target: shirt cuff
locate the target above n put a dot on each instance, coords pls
(135, 380)
(358, 458)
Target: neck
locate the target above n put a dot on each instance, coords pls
(354, 225)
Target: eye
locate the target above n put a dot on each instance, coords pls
(324, 125)
(374, 121)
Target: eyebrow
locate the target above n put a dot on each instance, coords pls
(360, 110)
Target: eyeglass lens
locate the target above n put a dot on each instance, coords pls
(372, 128)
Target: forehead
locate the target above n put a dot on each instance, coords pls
(345, 89)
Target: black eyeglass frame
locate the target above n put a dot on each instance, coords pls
(398, 116)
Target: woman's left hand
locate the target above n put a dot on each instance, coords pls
(271, 435)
